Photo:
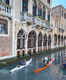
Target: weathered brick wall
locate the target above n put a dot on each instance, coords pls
(6, 43)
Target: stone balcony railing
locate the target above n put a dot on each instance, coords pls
(42, 23)
(26, 18)
(5, 9)
(35, 21)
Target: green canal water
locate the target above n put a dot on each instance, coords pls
(54, 72)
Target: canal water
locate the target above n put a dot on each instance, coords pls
(54, 72)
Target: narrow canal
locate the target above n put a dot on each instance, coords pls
(54, 72)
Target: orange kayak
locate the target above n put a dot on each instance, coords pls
(45, 67)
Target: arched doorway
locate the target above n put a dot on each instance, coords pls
(49, 41)
(32, 40)
(45, 41)
(20, 40)
(55, 39)
(40, 41)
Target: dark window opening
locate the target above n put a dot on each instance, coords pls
(44, 15)
(34, 8)
(3, 26)
(25, 5)
(21, 40)
(48, 1)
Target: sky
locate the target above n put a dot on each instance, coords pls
(59, 2)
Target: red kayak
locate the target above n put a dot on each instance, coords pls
(45, 67)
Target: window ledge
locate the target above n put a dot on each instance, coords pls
(4, 35)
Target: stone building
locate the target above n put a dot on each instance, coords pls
(59, 25)
(5, 28)
(24, 26)
(31, 26)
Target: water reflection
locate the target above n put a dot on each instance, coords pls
(54, 72)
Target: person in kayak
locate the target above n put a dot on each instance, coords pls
(45, 61)
(22, 62)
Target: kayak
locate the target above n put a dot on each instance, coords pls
(45, 67)
(21, 66)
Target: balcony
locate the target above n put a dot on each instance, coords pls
(37, 22)
(43, 24)
(5, 9)
(26, 18)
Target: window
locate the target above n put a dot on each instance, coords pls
(62, 13)
(3, 27)
(25, 5)
(21, 40)
(34, 8)
(49, 17)
(48, 1)
(44, 15)
(65, 15)
(39, 11)
(44, 12)
(6, 1)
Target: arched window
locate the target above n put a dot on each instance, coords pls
(21, 40)
(58, 39)
(40, 39)
(49, 40)
(25, 5)
(55, 39)
(34, 8)
(32, 39)
(45, 40)
(62, 39)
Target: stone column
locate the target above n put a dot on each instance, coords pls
(57, 42)
(26, 44)
(21, 5)
(37, 43)
(60, 42)
(50, 19)
(42, 11)
(52, 41)
(42, 44)
(30, 6)
(47, 41)
(37, 9)
(13, 31)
